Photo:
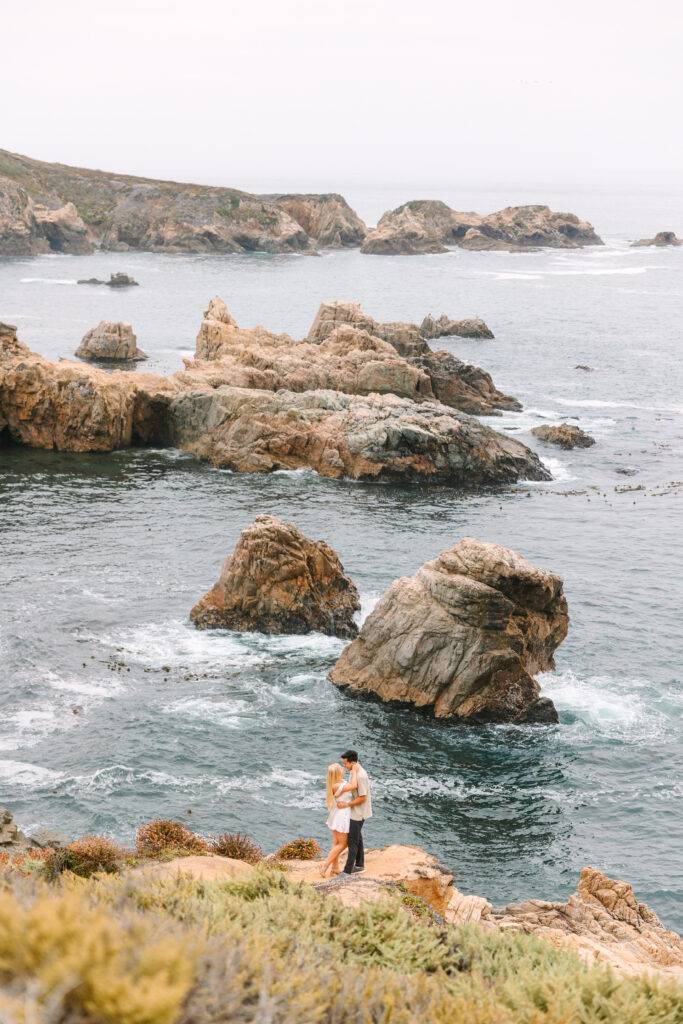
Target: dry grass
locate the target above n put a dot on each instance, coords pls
(237, 846)
(299, 849)
(162, 834)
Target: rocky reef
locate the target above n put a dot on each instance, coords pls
(565, 435)
(662, 238)
(110, 341)
(74, 407)
(430, 226)
(444, 327)
(279, 581)
(51, 207)
(118, 280)
(462, 638)
(453, 382)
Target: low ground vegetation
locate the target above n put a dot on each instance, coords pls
(141, 950)
(299, 849)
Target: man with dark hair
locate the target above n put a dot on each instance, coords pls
(361, 809)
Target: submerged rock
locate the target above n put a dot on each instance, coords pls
(428, 225)
(445, 327)
(120, 281)
(661, 238)
(566, 435)
(453, 382)
(462, 638)
(114, 341)
(279, 581)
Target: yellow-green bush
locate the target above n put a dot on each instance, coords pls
(137, 949)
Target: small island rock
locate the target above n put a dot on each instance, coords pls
(462, 638)
(279, 581)
(566, 435)
(114, 341)
(662, 238)
(444, 327)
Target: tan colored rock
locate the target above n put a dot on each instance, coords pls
(443, 327)
(453, 382)
(566, 435)
(662, 238)
(67, 406)
(601, 920)
(429, 225)
(462, 638)
(63, 228)
(328, 220)
(373, 437)
(279, 581)
(110, 341)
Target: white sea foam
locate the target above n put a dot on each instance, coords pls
(216, 711)
(595, 403)
(367, 604)
(607, 706)
(178, 644)
(560, 472)
(23, 773)
(48, 280)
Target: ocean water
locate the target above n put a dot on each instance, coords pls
(116, 710)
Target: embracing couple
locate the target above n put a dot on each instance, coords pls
(349, 804)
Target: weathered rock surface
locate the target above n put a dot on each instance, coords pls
(428, 225)
(28, 227)
(455, 383)
(373, 437)
(12, 840)
(109, 340)
(602, 920)
(74, 407)
(120, 212)
(279, 581)
(67, 406)
(445, 327)
(566, 435)
(462, 638)
(661, 238)
(328, 220)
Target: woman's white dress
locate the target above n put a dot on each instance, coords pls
(339, 817)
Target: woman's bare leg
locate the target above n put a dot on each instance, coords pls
(332, 856)
(341, 841)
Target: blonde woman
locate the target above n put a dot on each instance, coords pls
(339, 817)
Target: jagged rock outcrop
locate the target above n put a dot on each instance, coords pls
(445, 327)
(453, 382)
(9, 832)
(279, 581)
(428, 225)
(120, 212)
(67, 406)
(603, 920)
(12, 840)
(661, 238)
(373, 437)
(118, 280)
(328, 220)
(74, 407)
(566, 435)
(462, 638)
(108, 340)
(28, 227)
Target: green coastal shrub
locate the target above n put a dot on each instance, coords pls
(85, 857)
(299, 849)
(237, 846)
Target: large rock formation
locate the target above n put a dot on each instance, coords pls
(47, 206)
(661, 238)
(428, 225)
(28, 227)
(12, 840)
(278, 581)
(462, 638)
(566, 435)
(445, 327)
(328, 220)
(74, 407)
(66, 406)
(601, 920)
(453, 382)
(108, 340)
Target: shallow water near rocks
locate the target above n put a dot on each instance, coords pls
(116, 710)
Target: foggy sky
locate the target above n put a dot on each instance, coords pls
(313, 95)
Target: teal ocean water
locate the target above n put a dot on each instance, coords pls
(115, 710)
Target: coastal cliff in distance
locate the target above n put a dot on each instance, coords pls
(46, 207)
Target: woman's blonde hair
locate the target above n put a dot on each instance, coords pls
(334, 774)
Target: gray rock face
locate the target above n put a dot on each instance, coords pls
(279, 581)
(28, 227)
(328, 220)
(445, 327)
(566, 435)
(662, 238)
(462, 638)
(108, 340)
(9, 833)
